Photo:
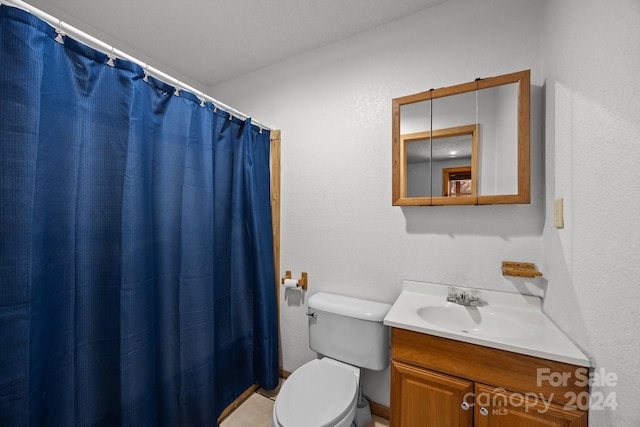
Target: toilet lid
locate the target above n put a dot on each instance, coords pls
(318, 393)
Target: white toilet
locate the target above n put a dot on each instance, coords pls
(326, 392)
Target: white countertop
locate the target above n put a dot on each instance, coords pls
(511, 322)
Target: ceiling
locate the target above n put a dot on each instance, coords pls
(450, 148)
(206, 42)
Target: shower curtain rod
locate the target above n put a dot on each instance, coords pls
(80, 35)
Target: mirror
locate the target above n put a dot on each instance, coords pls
(440, 156)
(442, 163)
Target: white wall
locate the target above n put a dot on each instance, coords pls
(333, 106)
(418, 179)
(592, 85)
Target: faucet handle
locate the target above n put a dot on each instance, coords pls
(452, 294)
(475, 298)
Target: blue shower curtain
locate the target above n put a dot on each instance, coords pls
(136, 253)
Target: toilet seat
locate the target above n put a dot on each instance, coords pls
(319, 393)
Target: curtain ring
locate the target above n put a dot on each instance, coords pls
(112, 58)
(60, 34)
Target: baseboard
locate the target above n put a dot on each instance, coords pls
(247, 394)
(284, 374)
(236, 403)
(380, 410)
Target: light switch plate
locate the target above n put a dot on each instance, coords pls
(558, 213)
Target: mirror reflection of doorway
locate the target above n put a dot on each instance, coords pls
(456, 182)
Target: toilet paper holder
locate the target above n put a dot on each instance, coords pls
(300, 283)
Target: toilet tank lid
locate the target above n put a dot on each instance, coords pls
(348, 306)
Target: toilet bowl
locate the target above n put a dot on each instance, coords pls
(326, 392)
(321, 393)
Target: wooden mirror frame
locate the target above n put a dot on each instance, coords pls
(398, 167)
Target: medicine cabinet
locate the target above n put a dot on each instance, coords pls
(466, 144)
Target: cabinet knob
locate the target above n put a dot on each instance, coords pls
(484, 411)
(465, 406)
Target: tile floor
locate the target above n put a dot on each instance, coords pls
(256, 412)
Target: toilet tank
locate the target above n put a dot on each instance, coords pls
(349, 329)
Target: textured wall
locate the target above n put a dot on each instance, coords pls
(334, 108)
(592, 85)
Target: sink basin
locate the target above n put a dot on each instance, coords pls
(475, 321)
(506, 321)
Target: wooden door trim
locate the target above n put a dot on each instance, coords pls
(275, 155)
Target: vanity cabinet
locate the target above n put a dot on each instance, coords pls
(447, 383)
(426, 398)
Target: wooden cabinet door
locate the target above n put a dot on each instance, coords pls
(495, 407)
(422, 398)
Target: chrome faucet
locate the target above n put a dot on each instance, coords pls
(466, 298)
